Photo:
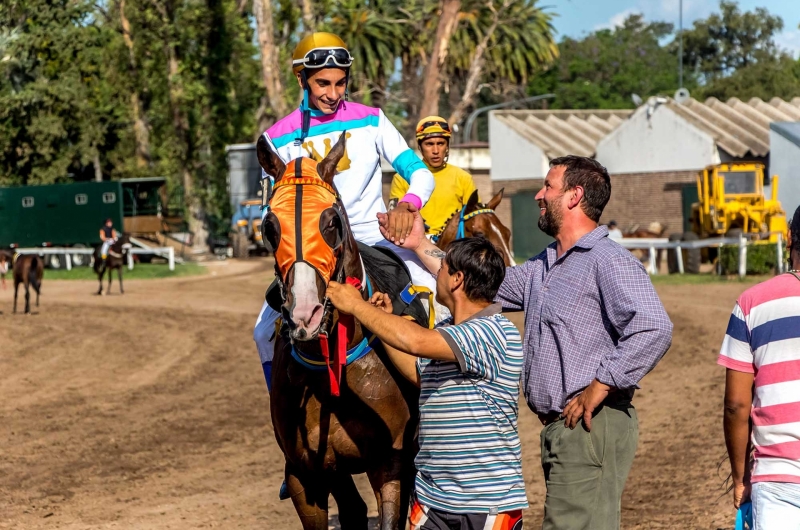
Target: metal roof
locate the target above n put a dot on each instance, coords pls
(563, 132)
(737, 127)
(789, 130)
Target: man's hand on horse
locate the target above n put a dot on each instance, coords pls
(383, 302)
(583, 405)
(414, 236)
(344, 297)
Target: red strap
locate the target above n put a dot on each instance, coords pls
(345, 329)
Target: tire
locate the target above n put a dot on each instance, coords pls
(672, 260)
(240, 246)
(693, 255)
(80, 260)
(54, 261)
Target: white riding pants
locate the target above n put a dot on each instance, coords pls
(264, 331)
(106, 245)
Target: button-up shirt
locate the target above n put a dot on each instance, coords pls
(590, 314)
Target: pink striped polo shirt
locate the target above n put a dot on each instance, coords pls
(763, 338)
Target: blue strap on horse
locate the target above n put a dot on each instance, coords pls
(463, 218)
(353, 354)
(744, 516)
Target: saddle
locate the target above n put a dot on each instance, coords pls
(388, 274)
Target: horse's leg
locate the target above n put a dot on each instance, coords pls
(110, 279)
(16, 289)
(386, 484)
(352, 508)
(119, 272)
(27, 297)
(100, 281)
(309, 494)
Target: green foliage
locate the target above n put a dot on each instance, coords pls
(761, 259)
(729, 54)
(605, 68)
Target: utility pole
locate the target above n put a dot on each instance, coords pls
(680, 45)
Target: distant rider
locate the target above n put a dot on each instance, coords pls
(321, 63)
(108, 235)
(453, 185)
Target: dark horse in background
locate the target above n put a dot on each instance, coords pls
(369, 428)
(115, 260)
(28, 270)
(479, 220)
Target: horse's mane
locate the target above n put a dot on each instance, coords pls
(478, 206)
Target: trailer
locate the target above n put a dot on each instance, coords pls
(70, 215)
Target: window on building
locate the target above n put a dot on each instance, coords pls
(27, 202)
(81, 199)
(109, 197)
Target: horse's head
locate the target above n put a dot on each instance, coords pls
(306, 227)
(479, 220)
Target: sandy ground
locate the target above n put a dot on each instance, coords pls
(149, 410)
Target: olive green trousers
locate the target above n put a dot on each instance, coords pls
(585, 471)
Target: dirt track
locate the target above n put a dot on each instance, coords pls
(149, 410)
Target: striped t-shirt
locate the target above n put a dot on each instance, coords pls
(469, 459)
(763, 338)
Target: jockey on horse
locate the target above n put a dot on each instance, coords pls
(321, 63)
(454, 186)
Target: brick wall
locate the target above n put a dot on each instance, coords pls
(641, 198)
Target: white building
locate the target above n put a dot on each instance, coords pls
(784, 143)
(655, 155)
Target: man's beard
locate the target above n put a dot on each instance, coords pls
(550, 222)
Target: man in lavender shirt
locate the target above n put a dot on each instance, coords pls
(594, 327)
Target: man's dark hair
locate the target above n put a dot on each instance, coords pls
(795, 228)
(482, 265)
(592, 177)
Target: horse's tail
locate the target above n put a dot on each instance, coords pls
(33, 271)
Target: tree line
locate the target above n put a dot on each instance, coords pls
(109, 89)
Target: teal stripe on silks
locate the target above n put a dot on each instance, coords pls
(325, 128)
(407, 163)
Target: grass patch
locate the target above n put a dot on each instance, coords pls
(141, 271)
(704, 279)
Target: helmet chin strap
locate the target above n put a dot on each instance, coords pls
(305, 108)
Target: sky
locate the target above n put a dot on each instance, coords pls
(578, 17)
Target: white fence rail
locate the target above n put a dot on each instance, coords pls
(662, 243)
(68, 252)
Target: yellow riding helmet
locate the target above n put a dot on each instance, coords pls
(433, 127)
(320, 50)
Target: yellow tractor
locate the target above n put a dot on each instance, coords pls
(731, 201)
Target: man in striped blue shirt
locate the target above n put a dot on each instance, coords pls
(469, 470)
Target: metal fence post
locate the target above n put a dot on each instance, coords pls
(68, 261)
(653, 266)
(679, 258)
(171, 257)
(742, 256)
(130, 260)
(780, 254)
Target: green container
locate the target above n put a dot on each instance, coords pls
(58, 214)
(529, 241)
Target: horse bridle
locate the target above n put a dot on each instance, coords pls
(463, 218)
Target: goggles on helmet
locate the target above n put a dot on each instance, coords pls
(442, 124)
(322, 57)
(433, 129)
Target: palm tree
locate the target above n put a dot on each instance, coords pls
(373, 31)
(499, 41)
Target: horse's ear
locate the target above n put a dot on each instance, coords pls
(495, 202)
(472, 203)
(327, 167)
(269, 159)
